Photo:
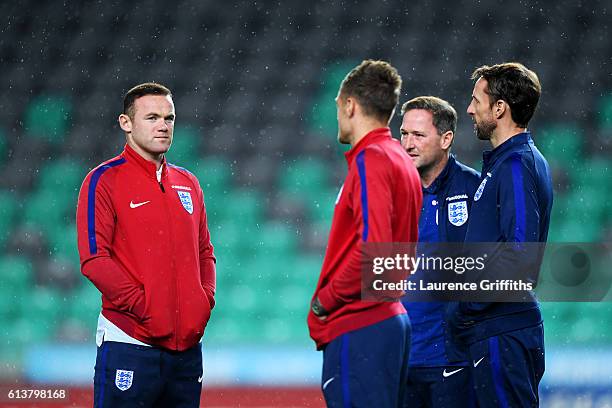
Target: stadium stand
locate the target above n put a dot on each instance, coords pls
(254, 87)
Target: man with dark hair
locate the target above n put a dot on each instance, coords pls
(513, 203)
(148, 88)
(438, 375)
(144, 243)
(365, 344)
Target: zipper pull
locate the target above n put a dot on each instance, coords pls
(162, 187)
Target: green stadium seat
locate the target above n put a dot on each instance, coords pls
(9, 207)
(16, 274)
(230, 267)
(323, 118)
(62, 177)
(47, 117)
(84, 304)
(305, 271)
(575, 230)
(63, 243)
(578, 216)
(277, 240)
(321, 205)
(47, 209)
(304, 177)
(234, 329)
(10, 353)
(276, 331)
(292, 299)
(242, 298)
(3, 147)
(562, 145)
(595, 172)
(215, 175)
(605, 115)
(243, 206)
(185, 147)
(25, 331)
(43, 303)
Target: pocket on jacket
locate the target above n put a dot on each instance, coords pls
(158, 320)
(195, 315)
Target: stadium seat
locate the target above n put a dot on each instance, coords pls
(62, 177)
(3, 146)
(605, 115)
(277, 240)
(47, 118)
(304, 177)
(561, 145)
(185, 147)
(62, 242)
(244, 206)
(16, 274)
(215, 175)
(84, 305)
(47, 209)
(25, 331)
(323, 117)
(43, 303)
(9, 208)
(305, 270)
(322, 204)
(594, 172)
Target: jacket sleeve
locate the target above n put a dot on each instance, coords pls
(207, 257)
(95, 230)
(371, 201)
(519, 223)
(517, 197)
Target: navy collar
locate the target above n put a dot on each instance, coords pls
(489, 157)
(442, 177)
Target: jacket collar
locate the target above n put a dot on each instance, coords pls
(489, 157)
(371, 137)
(147, 166)
(442, 177)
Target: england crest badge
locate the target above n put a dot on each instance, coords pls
(123, 379)
(185, 198)
(458, 213)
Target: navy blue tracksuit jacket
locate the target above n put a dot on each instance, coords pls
(512, 204)
(444, 218)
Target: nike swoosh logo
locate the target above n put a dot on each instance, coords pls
(448, 374)
(478, 362)
(326, 383)
(132, 205)
(200, 378)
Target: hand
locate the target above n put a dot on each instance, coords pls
(318, 309)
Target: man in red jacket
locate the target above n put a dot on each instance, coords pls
(366, 344)
(144, 243)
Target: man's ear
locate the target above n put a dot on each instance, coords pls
(125, 123)
(349, 107)
(500, 109)
(446, 140)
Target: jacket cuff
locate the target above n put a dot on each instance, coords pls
(328, 299)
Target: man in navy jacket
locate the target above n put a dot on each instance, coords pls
(513, 204)
(438, 375)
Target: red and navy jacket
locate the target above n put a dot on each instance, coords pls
(146, 246)
(380, 202)
(512, 204)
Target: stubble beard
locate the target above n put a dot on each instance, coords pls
(484, 130)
